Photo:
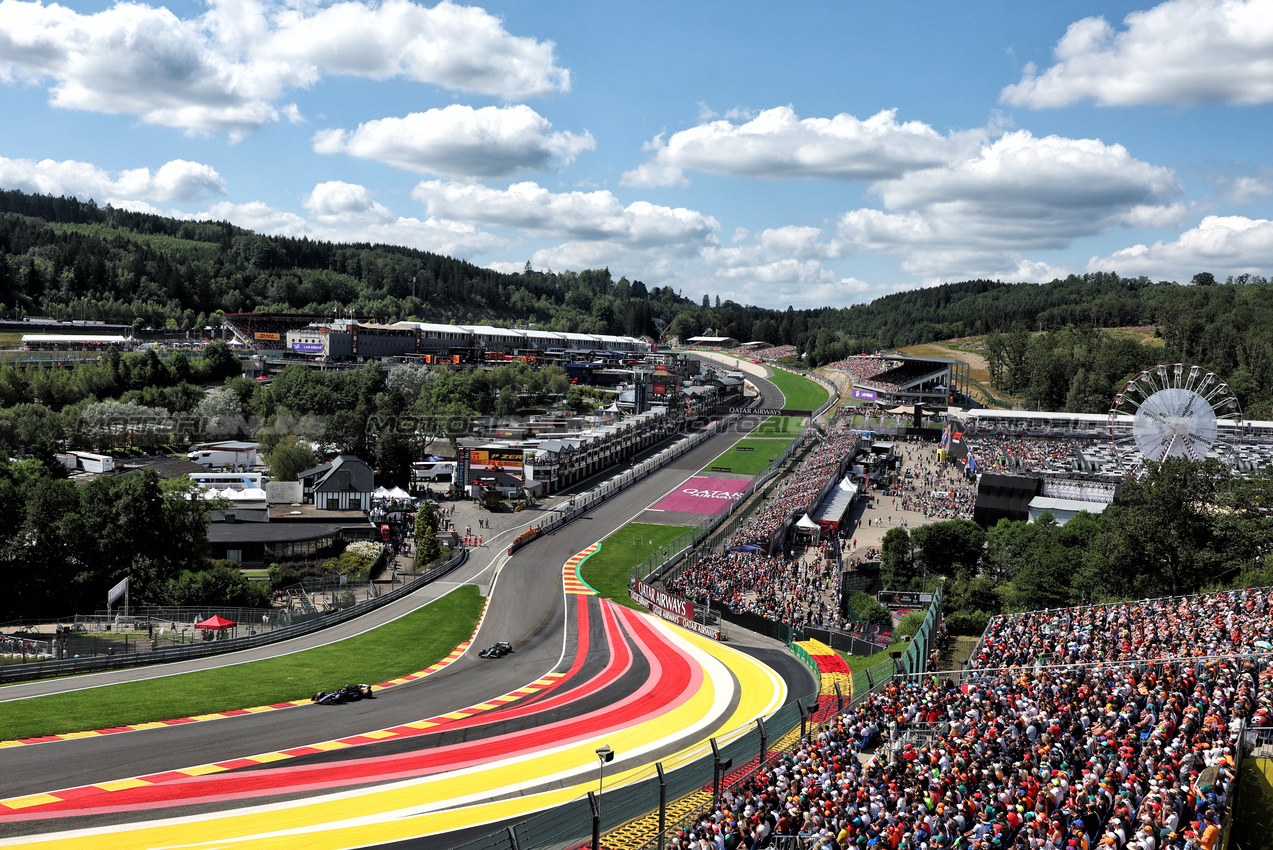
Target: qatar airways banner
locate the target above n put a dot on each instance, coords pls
(661, 602)
(701, 495)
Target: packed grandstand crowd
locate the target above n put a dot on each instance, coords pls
(800, 491)
(773, 352)
(1107, 751)
(799, 589)
(1009, 455)
(863, 370)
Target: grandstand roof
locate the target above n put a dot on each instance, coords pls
(105, 339)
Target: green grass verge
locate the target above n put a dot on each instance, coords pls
(801, 393)
(406, 645)
(779, 426)
(748, 462)
(606, 571)
(863, 662)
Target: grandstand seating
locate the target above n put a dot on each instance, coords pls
(1130, 744)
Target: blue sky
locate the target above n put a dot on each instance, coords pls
(776, 154)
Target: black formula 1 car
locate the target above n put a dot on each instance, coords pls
(496, 650)
(349, 693)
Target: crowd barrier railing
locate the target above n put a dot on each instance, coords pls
(162, 655)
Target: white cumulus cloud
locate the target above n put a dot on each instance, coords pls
(1019, 192)
(1222, 245)
(460, 141)
(588, 216)
(777, 143)
(227, 70)
(335, 202)
(177, 180)
(1181, 52)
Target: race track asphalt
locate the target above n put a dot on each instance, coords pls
(527, 607)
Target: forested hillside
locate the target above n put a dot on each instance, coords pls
(63, 258)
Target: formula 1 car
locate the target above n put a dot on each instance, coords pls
(349, 693)
(496, 650)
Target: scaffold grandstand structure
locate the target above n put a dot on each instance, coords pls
(899, 379)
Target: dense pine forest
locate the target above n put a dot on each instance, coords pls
(65, 258)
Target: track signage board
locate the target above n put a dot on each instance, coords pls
(729, 410)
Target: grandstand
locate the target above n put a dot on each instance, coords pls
(1114, 726)
(269, 331)
(76, 342)
(897, 379)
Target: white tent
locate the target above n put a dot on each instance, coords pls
(808, 528)
(380, 493)
(399, 493)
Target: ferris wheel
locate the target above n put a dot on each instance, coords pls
(1176, 410)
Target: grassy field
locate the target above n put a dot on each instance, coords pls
(779, 426)
(749, 462)
(801, 393)
(406, 645)
(607, 570)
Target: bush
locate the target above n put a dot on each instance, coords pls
(910, 624)
(869, 611)
(967, 624)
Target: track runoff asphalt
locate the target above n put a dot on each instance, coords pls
(526, 608)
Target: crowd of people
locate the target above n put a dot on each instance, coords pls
(1011, 455)
(1131, 755)
(1226, 623)
(863, 370)
(773, 352)
(800, 587)
(800, 491)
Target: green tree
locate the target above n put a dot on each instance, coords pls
(290, 457)
(952, 547)
(393, 459)
(895, 555)
(426, 535)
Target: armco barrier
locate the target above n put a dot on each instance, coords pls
(570, 824)
(74, 666)
(591, 498)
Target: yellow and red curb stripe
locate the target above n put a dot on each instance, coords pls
(831, 668)
(451, 658)
(570, 574)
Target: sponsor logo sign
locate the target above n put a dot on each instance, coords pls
(264, 335)
(661, 601)
(703, 495)
(315, 347)
(509, 460)
(726, 410)
(865, 395)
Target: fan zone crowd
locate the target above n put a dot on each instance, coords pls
(1133, 755)
(800, 491)
(1010, 455)
(797, 591)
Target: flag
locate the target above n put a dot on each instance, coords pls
(945, 437)
(972, 464)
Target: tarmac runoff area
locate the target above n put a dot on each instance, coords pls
(648, 689)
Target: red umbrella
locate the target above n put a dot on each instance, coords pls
(216, 621)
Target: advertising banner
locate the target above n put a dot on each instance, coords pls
(264, 335)
(311, 347)
(702, 495)
(660, 601)
(508, 460)
(726, 410)
(865, 395)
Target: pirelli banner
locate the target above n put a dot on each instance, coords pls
(670, 607)
(507, 460)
